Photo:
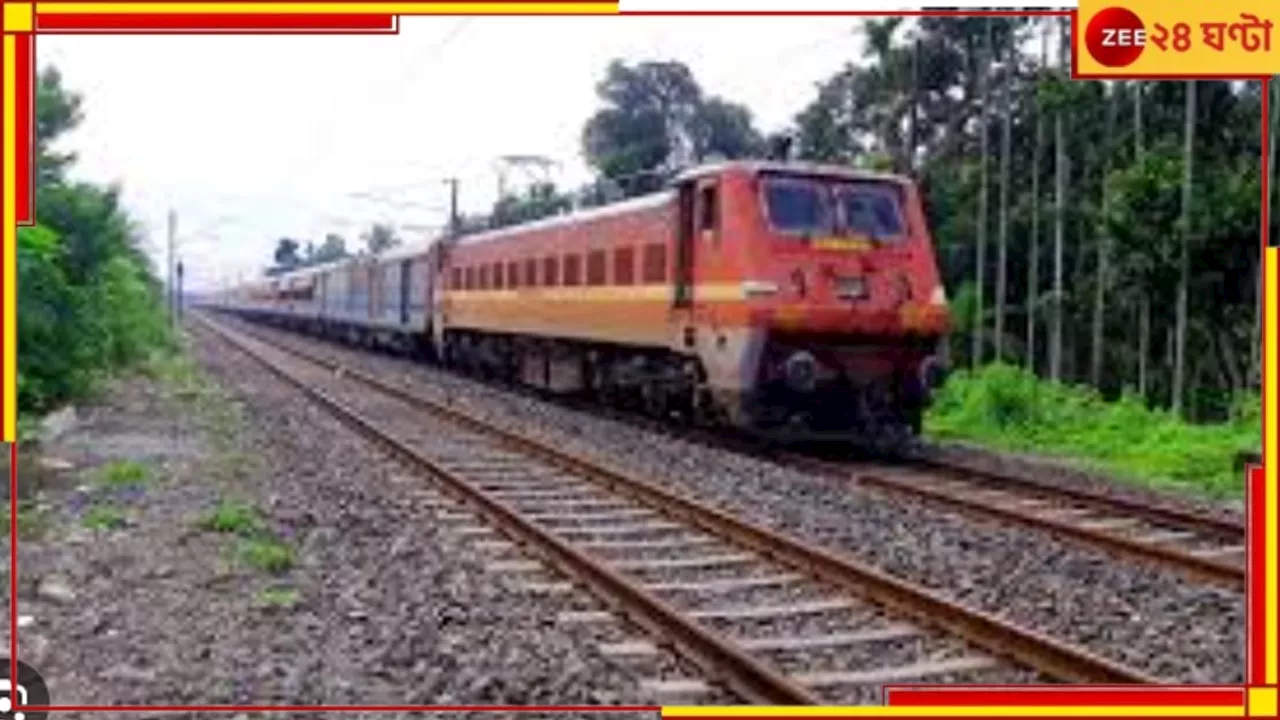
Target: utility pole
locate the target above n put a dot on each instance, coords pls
(173, 229)
(178, 302)
(454, 220)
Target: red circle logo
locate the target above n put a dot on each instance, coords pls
(1115, 37)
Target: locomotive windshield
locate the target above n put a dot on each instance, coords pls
(811, 208)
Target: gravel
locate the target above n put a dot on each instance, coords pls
(423, 433)
(1141, 615)
(390, 607)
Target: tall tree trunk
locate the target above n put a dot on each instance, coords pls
(1144, 296)
(980, 270)
(1006, 141)
(1059, 211)
(1103, 274)
(1184, 260)
(1033, 262)
(1272, 93)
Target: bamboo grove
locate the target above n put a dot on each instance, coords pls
(1095, 232)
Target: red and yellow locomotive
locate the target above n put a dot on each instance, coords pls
(789, 299)
(792, 300)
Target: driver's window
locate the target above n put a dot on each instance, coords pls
(708, 212)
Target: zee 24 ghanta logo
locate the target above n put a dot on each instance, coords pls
(1116, 37)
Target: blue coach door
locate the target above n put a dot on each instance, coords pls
(405, 277)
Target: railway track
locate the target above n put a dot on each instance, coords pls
(1204, 547)
(769, 618)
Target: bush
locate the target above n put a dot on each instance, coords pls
(1009, 408)
(88, 303)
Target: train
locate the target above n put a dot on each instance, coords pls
(792, 301)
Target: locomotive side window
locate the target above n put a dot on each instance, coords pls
(624, 266)
(513, 275)
(550, 271)
(497, 276)
(708, 209)
(469, 276)
(655, 263)
(595, 267)
(572, 270)
(531, 272)
(455, 281)
(484, 277)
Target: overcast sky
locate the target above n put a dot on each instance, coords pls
(253, 138)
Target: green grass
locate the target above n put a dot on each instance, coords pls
(33, 520)
(103, 517)
(1008, 408)
(266, 554)
(123, 474)
(232, 516)
(278, 597)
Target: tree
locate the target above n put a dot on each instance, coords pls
(1102, 274)
(1059, 217)
(655, 120)
(980, 285)
(1033, 252)
(333, 248)
(1184, 263)
(380, 237)
(538, 201)
(57, 112)
(286, 255)
(90, 301)
(1002, 261)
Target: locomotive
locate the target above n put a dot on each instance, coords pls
(790, 300)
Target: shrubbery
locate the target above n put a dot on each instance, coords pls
(88, 303)
(1008, 408)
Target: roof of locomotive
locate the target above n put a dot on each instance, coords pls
(660, 197)
(790, 167)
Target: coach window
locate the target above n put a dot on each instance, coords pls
(624, 266)
(513, 275)
(550, 271)
(531, 272)
(572, 270)
(655, 264)
(595, 267)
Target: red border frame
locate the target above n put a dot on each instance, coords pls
(958, 696)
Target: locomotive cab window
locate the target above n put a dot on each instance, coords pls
(798, 207)
(869, 210)
(708, 211)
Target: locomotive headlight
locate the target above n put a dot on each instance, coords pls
(801, 372)
(759, 288)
